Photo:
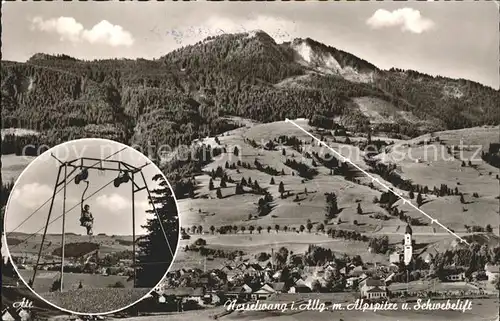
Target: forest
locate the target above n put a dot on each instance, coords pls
(191, 92)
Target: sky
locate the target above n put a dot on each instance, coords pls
(454, 39)
(111, 206)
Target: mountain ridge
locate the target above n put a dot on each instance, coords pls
(186, 93)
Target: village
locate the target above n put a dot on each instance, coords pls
(292, 276)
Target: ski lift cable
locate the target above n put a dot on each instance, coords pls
(55, 219)
(97, 191)
(50, 198)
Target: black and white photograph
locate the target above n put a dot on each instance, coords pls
(91, 226)
(330, 160)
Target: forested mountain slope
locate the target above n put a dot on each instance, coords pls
(184, 94)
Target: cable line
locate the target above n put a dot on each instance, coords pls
(50, 198)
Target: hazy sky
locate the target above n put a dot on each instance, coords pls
(111, 207)
(456, 39)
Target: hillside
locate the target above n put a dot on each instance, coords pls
(76, 245)
(234, 221)
(188, 93)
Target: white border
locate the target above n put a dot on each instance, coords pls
(47, 153)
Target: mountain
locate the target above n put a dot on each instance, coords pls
(188, 93)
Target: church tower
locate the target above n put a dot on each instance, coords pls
(408, 248)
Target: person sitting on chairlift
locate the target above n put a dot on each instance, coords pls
(86, 219)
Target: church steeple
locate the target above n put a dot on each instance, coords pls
(408, 229)
(408, 245)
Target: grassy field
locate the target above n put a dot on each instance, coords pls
(30, 245)
(206, 210)
(44, 280)
(253, 244)
(95, 300)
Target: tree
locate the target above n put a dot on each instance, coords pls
(151, 246)
(211, 184)
(359, 209)
(277, 228)
(331, 205)
(259, 229)
(315, 286)
(281, 188)
(238, 189)
(309, 226)
(272, 181)
(219, 193)
(462, 199)
(302, 228)
(283, 152)
(355, 222)
(420, 200)
(251, 228)
(223, 183)
(269, 229)
(212, 229)
(489, 229)
(243, 229)
(412, 195)
(200, 229)
(236, 151)
(56, 285)
(117, 284)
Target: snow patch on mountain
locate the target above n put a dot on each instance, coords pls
(324, 62)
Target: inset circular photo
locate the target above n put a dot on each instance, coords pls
(92, 226)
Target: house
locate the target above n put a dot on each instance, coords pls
(373, 288)
(375, 293)
(211, 298)
(254, 269)
(15, 314)
(356, 271)
(299, 288)
(264, 292)
(389, 278)
(179, 292)
(395, 257)
(491, 271)
(351, 281)
(240, 292)
(197, 295)
(456, 277)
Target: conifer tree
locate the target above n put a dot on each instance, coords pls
(153, 248)
(331, 205)
(420, 200)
